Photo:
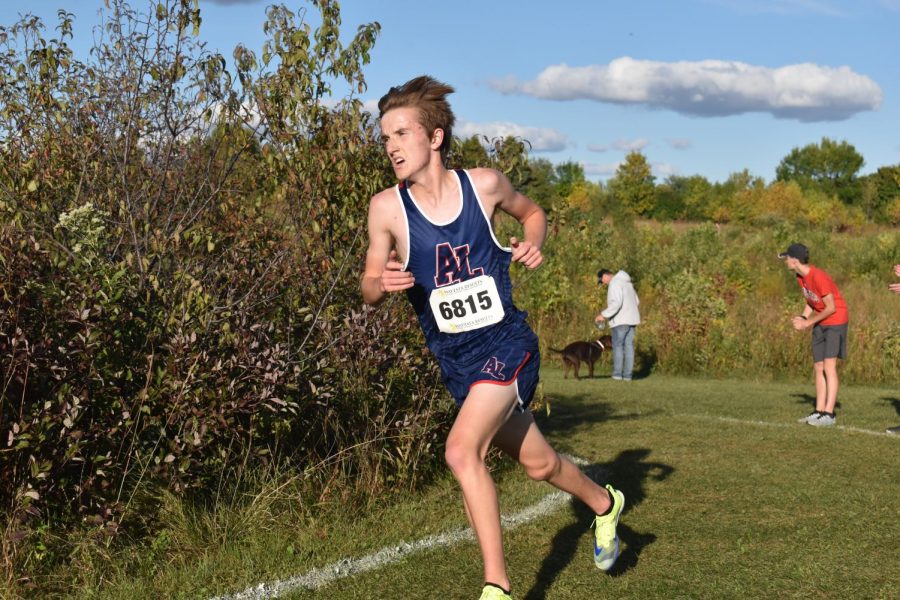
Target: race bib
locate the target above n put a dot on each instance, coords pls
(467, 305)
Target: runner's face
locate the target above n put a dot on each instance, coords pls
(406, 141)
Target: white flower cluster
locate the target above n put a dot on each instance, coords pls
(85, 225)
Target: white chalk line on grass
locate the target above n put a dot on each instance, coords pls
(785, 425)
(317, 578)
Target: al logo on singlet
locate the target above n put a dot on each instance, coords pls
(459, 304)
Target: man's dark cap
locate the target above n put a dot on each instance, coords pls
(601, 273)
(798, 251)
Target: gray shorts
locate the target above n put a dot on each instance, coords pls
(829, 341)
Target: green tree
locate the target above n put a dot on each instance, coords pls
(510, 155)
(682, 197)
(568, 175)
(633, 184)
(538, 184)
(468, 153)
(830, 167)
(880, 189)
(721, 205)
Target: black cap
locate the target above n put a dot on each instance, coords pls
(601, 273)
(798, 251)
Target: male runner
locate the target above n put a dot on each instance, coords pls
(431, 236)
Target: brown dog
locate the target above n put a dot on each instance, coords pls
(578, 352)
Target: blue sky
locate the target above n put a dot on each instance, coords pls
(704, 87)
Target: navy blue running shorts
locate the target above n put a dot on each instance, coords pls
(508, 364)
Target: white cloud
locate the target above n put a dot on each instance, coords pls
(709, 88)
(630, 145)
(663, 170)
(601, 169)
(679, 143)
(597, 148)
(660, 169)
(542, 139)
(371, 106)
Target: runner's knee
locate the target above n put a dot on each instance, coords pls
(544, 468)
(460, 458)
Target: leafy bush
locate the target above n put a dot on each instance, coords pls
(179, 251)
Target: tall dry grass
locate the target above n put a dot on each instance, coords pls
(716, 301)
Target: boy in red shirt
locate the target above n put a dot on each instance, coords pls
(826, 313)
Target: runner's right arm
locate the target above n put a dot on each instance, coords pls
(383, 271)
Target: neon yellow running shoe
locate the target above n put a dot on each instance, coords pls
(493, 592)
(606, 542)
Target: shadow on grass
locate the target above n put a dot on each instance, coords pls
(629, 472)
(893, 401)
(811, 400)
(646, 360)
(571, 412)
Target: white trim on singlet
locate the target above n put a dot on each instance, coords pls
(406, 223)
(484, 213)
(422, 212)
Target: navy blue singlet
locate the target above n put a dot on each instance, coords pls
(442, 254)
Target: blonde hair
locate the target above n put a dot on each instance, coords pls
(429, 96)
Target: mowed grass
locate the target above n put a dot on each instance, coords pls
(726, 497)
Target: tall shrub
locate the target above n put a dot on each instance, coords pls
(180, 242)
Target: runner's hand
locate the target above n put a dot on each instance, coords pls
(394, 278)
(526, 253)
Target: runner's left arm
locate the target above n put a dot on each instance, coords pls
(501, 194)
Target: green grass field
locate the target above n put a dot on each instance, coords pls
(726, 497)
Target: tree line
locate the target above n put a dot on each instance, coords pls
(819, 184)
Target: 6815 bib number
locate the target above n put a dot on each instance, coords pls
(467, 305)
(460, 308)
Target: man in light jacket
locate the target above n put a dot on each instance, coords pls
(623, 316)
